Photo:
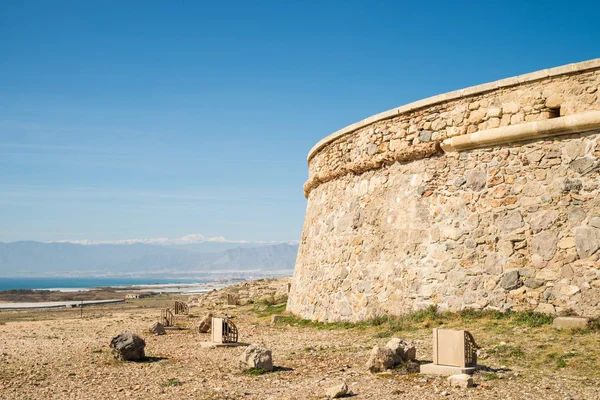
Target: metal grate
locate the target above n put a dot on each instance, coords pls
(181, 308)
(230, 332)
(166, 317)
(470, 350)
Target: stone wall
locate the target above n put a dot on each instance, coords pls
(394, 224)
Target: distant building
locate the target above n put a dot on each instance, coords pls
(137, 295)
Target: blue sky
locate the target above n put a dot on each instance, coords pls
(142, 119)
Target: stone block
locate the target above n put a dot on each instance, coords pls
(570, 323)
(460, 380)
(446, 370)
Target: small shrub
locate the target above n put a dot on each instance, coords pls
(532, 319)
(489, 376)
(594, 325)
(255, 371)
(507, 351)
(173, 382)
(270, 309)
(429, 314)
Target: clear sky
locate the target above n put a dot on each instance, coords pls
(141, 119)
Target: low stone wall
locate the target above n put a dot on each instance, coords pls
(394, 224)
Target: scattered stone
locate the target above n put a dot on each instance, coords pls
(403, 350)
(258, 357)
(570, 323)
(382, 358)
(128, 346)
(461, 380)
(205, 323)
(337, 391)
(545, 308)
(158, 329)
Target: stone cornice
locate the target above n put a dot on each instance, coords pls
(457, 94)
(575, 123)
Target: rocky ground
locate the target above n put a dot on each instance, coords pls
(58, 354)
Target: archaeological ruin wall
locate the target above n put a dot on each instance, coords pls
(487, 197)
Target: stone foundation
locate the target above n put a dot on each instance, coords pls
(395, 224)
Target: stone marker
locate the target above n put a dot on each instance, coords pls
(570, 323)
(222, 330)
(337, 391)
(258, 357)
(454, 352)
(232, 300)
(205, 323)
(158, 329)
(128, 346)
(461, 380)
(223, 333)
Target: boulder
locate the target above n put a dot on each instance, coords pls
(157, 328)
(205, 323)
(258, 357)
(337, 391)
(461, 380)
(571, 323)
(405, 351)
(382, 358)
(128, 346)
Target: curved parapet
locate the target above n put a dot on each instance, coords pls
(486, 197)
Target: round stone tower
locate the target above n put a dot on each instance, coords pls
(486, 197)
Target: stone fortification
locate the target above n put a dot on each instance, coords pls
(487, 197)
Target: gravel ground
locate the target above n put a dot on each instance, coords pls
(65, 357)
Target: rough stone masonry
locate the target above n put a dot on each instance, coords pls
(395, 224)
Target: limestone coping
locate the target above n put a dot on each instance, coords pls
(467, 92)
(576, 123)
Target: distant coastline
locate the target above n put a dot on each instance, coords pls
(48, 283)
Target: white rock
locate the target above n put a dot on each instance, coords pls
(257, 356)
(461, 380)
(337, 391)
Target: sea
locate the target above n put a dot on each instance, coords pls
(73, 283)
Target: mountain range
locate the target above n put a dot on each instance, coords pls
(29, 258)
